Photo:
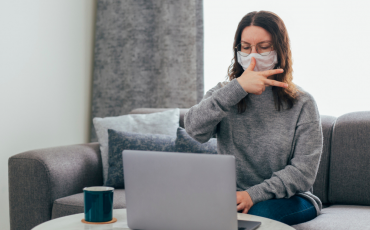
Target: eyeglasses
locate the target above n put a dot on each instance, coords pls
(263, 48)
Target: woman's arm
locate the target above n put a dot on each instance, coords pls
(201, 120)
(300, 174)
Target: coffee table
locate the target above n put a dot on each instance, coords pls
(73, 222)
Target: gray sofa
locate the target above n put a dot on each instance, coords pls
(47, 183)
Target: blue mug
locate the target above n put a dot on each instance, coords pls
(98, 203)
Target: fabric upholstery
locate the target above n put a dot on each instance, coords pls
(38, 177)
(185, 143)
(74, 204)
(155, 110)
(339, 217)
(350, 160)
(165, 122)
(119, 141)
(321, 185)
(47, 183)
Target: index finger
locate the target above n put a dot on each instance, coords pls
(269, 82)
(245, 211)
(268, 73)
(240, 207)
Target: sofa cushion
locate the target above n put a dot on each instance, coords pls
(185, 143)
(165, 122)
(321, 185)
(350, 160)
(155, 110)
(339, 217)
(74, 204)
(119, 141)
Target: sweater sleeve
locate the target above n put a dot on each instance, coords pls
(300, 174)
(202, 119)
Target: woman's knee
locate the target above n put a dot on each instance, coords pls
(299, 217)
(265, 209)
(289, 211)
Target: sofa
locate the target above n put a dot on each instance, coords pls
(47, 183)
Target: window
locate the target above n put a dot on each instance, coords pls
(330, 42)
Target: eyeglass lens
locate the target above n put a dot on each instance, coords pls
(245, 49)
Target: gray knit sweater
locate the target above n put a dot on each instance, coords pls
(277, 153)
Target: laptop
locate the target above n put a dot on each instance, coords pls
(181, 191)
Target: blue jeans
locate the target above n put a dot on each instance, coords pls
(291, 211)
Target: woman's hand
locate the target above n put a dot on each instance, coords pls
(256, 81)
(244, 201)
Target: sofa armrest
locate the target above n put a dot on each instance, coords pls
(38, 177)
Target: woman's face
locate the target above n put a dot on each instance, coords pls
(253, 35)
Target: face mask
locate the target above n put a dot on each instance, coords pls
(262, 62)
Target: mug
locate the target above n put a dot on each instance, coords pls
(98, 203)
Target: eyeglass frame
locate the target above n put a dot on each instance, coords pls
(272, 46)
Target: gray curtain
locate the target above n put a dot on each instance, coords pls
(148, 54)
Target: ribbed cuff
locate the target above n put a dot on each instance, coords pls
(230, 94)
(257, 194)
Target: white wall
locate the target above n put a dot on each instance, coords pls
(329, 40)
(46, 51)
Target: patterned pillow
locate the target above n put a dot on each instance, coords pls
(119, 141)
(185, 143)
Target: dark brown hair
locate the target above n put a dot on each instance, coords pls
(280, 39)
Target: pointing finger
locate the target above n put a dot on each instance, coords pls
(268, 73)
(252, 65)
(275, 83)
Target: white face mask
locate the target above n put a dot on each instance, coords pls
(262, 62)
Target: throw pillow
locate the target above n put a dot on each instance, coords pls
(165, 122)
(185, 143)
(119, 141)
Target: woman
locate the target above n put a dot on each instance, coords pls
(269, 124)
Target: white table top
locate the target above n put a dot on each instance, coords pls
(73, 222)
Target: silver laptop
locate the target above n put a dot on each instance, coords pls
(181, 191)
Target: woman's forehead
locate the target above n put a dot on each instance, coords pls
(255, 34)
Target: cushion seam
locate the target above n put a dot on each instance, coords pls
(68, 205)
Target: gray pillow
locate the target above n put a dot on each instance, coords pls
(165, 122)
(185, 143)
(119, 141)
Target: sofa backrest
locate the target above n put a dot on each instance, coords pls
(343, 176)
(349, 181)
(321, 185)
